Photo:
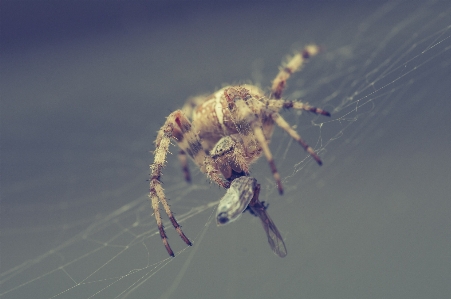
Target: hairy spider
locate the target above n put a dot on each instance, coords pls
(225, 132)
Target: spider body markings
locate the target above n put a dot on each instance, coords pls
(224, 133)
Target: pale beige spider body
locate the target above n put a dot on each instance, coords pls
(225, 132)
(225, 119)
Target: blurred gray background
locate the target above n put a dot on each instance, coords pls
(85, 86)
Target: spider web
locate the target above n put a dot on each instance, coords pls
(77, 110)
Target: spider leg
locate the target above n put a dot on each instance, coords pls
(188, 140)
(293, 65)
(249, 128)
(278, 104)
(178, 127)
(156, 211)
(156, 194)
(184, 162)
(284, 125)
(258, 133)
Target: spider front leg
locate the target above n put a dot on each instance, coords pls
(294, 64)
(156, 194)
(176, 127)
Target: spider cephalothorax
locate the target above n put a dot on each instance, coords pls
(225, 132)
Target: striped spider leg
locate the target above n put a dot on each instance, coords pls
(179, 128)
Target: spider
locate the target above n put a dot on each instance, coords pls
(224, 133)
(241, 196)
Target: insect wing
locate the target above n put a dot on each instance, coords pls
(274, 238)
